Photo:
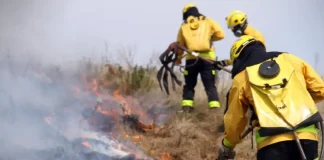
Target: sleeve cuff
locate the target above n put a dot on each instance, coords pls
(227, 144)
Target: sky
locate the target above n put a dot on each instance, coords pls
(66, 30)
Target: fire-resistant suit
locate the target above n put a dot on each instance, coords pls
(193, 68)
(281, 146)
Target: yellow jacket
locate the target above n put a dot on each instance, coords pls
(251, 32)
(240, 96)
(217, 34)
(254, 33)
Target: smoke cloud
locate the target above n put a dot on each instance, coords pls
(39, 116)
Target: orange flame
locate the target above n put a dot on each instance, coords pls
(87, 144)
(48, 120)
(93, 87)
(165, 156)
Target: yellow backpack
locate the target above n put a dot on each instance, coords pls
(197, 34)
(281, 100)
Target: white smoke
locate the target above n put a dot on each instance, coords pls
(40, 48)
(33, 116)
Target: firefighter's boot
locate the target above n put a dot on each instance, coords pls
(187, 109)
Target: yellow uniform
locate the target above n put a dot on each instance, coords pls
(197, 33)
(250, 31)
(282, 90)
(240, 96)
(216, 33)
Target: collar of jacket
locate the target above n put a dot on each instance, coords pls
(251, 55)
(193, 11)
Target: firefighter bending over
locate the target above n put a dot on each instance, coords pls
(197, 33)
(282, 91)
(237, 22)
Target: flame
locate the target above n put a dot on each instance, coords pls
(126, 109)
(165, 156)
(91, 86)
(48, 120)
(87, 144)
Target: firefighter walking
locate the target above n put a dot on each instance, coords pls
(197, 33)
(283, 91)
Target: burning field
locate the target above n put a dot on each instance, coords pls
(50, 114)
(100, 112)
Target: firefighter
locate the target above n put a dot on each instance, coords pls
(237, 22)
(197, 33)
(282, 91)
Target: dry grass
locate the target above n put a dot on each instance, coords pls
(184, 136)
(195, 136)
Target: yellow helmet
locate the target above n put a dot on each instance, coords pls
(185, 8)
(235, 18)
(239, 45)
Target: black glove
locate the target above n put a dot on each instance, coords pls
(225, 153)
(219, 65)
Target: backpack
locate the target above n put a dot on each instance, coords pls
(281, 100)
(197, 33)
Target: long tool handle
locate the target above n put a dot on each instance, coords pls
(207, 60)
(246, 132)
(322, 147)
(300, 147)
